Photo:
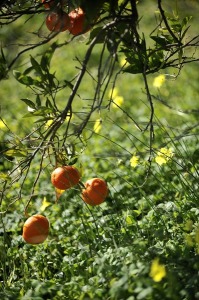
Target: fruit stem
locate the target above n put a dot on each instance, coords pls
(81, 185)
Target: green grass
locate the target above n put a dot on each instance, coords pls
(151, 211)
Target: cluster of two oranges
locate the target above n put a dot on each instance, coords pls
(58, 20)
(95, 191)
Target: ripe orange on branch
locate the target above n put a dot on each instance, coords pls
(65, 177)
(95, 192)
(48, 3)
(52, 3)
(57, 21)
(77, 22)
(36, 229)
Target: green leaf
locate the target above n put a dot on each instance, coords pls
(15, 153)
(36, 66)
(137, 212)
(134, 69)
(69, 84)
(95, 32)
(92, 11)
(176, 27)
(130, 220)
(138, 61)
(28, 70)
(3, 66)
(195, 156)
(160, 40)
(50, 78)
(185, 21)
(156, 59)
(26, 80)
(42, 111)
(145, 293)
(5, 177)
(180, 54)
(45, 119)
(29, 103)
(45, 63)
(184, 32)
(46, 58)
(38, 101)
(73, 160)
(48, 103)
(3, 59)
(142, 46)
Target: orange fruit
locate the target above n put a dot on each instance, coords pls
(36, 229)
(48, 3)
(57, 21)
(77, 21)
(95, 192)
(51, 3)
(65, 177)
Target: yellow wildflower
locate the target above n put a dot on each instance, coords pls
(45, 204)
(158, 81)
(97, 126)
(123, 62)
(157, 271)
(163, 156)
(134, 161)
(69, 117)
(160, 160)
(58, 193)
(117, 99)
(2, 124)
(48, 123)
(113, 93)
